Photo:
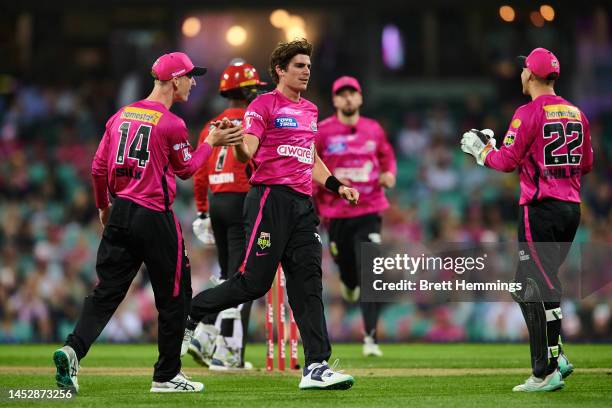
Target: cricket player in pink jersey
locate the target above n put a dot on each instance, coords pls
(281, 223)
(143, 148)
(550, 143)
(356, 151)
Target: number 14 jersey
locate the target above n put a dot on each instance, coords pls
(143, 148)
(550, 142)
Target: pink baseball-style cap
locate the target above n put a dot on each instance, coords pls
(542, 63)
(345, 82)
(174, 64)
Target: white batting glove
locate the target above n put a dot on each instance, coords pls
(203, 230)
(478, 143)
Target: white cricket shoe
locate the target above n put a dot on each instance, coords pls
(180, 383)
(551, 382)
(186, 341)
(67, 366)
(370, 348)
(320, 376)
(227, 358)
(202, 346)
(350, 295)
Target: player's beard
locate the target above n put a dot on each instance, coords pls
(349, 111)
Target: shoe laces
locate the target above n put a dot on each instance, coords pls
(333, 367)
(187, 377)
(188, 335)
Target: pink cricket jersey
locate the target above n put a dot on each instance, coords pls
(286, 132)
(143, 148)
(550, 143)
(358, 154)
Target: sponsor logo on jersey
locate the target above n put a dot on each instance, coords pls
(264, 240)
(509, 139)
(313, 126)
(252, 114)
(221, 178)
(285, 122)
(141, 115)
(303, 154)
(186, 154)
(179, 146)
(562, 112)
(355, 174)
(336, 147)
(370, 146)
(289, 111)
(516, 123)
(318, 237)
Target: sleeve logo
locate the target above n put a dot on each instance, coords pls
(516, 123)
(509, 139)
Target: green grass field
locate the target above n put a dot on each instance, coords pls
(409, 375)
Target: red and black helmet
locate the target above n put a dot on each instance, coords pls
(239, 75)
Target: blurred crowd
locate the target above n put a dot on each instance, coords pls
(49, 229)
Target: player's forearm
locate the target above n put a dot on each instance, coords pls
(100, 190)
(242, 153)
(388, 163)
(501, 160)
(320, 172)
(198, 158)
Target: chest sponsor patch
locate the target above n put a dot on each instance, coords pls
(303, 154)
(285, 122)
(336, 147)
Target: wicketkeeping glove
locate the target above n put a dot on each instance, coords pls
(478, 143)
(203, 230)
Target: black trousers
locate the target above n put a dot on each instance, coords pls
(133, 235)
(546, 232)
(345, 238)
(281, 227)
(228, 229)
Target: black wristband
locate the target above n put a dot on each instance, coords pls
(333, 184)
(203, 215)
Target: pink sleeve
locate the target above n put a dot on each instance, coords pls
(386, 156)
(184, 160)
(516, 143)
(99, 169)
(255, 118)
(587, 148)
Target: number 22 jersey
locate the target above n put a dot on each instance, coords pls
(550, 142)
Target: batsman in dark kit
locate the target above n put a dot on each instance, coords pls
(550, 143)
